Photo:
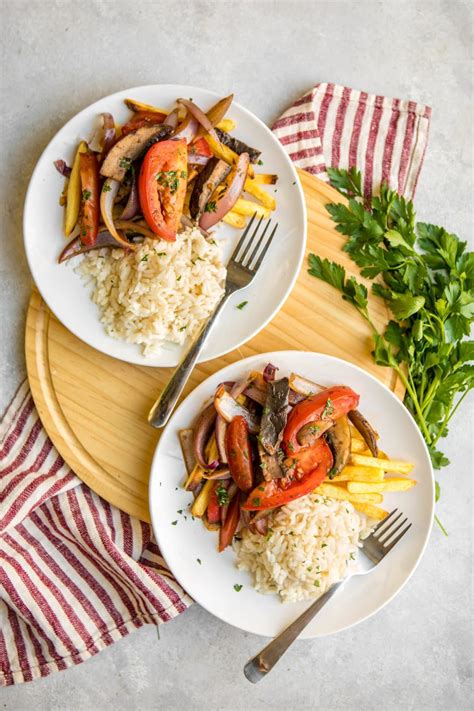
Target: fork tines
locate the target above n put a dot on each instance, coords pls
(385, 530)
(246, 259)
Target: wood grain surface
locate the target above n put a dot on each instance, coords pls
(94, 407)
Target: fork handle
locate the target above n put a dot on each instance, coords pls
(259, 666)
(164, 406)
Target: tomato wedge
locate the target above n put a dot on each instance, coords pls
(199, 147)
(322, 410)
(239, 453)
(213, 511)
(162, 187)
(90, 184)
(271, 494)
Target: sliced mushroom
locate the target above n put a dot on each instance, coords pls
(237, 146)
(270, 465)
(212, 175)
(367, 431)
(129, 148)
(275, 414)
(309, 433)
(339, 439)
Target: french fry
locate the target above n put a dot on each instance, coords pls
(201, 501)
(226, 125)
(265, 178)
(194, 478)
(371, 511)
(139, 106)
(388, 465)
(211, 452)
(341, 494)
(257, 192)
(358, 446)
(364, 474)
(391, 484)
(247, 207)
(74, 193)
(235, 220)
(225, 153)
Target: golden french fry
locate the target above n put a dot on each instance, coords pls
(341, 494)
(139, 106)
(351, 473)
(265, 178)
(211, 452)
(355, 433)
(358, 446)
(247, 207)
(194, 478)
(393, 484)
(74, 193)
(225, 153)
(257, 192)
(235, 220)
(202, 499)
(226, 125)
(388, 465)
(371, 511)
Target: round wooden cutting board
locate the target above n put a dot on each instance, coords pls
(95, 408)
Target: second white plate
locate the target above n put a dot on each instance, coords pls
(211, 581)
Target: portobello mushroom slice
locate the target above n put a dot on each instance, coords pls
(129, 148)
(270, 464)
(309, 433)
(339, 440)
(367, 431)
(275, 414)
(237, 146)
(212, 175)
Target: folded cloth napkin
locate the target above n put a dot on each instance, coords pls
(77, 574)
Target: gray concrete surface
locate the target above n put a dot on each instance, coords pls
(57, 57)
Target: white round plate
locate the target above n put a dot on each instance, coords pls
(68, 296)
(211, 583)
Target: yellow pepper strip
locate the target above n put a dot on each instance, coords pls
(74, 193)
(199, 507)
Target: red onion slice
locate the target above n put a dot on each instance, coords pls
(202, 430)
(172, 119)
(200, 116)
(269, 372)
(109, 135)
(197, 159)
(107, 198)
(133, 205)
(228, 408)
(187, 129)
(230, 197)
(104, 239)
(63, 168)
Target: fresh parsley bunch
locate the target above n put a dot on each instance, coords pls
(426, 277)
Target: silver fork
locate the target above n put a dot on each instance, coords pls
(241, 269)
(374, 548)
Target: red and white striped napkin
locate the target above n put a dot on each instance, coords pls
(77, 574)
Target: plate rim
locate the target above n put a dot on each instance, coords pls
(275, 354)
(181, 88)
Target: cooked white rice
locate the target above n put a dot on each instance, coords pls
(161, 292)
(310, 545)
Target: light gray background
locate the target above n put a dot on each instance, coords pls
(58, 57)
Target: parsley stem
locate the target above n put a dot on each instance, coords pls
(449, 415)
(416, 404)
(441, 526)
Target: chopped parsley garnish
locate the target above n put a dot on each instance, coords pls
(324, 545)
(261, 488)
(314, 429)
(173, 523)
(242, 305)
(86, 194)
(290, 447)
(266, 410)
(161, 254)
(125, 163)
(144, 258)
(222, 495)
(352, 556)
(178, 278)
(199, 561)
(237, 588)
(309, 568)
(256, 501)
(169, 179)
(317, 583)
(260, 162)
(332, 472)
(211, 206)
(183, 328)
(328, 409)
(106, 187)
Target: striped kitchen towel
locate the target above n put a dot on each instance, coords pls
(77, 574)
(335, 126)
